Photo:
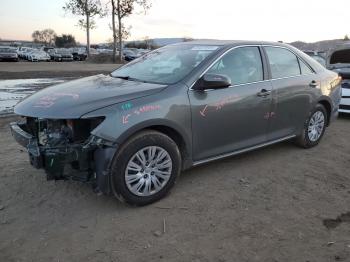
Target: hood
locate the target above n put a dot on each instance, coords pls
(75, 98)
(339, 58)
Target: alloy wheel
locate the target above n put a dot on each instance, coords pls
(316, 126)
(148, 171)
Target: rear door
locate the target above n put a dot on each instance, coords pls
(233, 118)
(294, 86)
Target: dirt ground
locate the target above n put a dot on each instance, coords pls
(15, 70)
(280, 203)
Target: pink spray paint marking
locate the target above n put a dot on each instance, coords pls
(269, 115)
(126, 119)
(50, 100)
(139, 111)
(202, 112)
(219, 105)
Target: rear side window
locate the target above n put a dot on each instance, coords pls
(283, 63)
(242, 65)
(305, 70)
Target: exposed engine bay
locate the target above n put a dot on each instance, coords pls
(62, 146)
(57, 132)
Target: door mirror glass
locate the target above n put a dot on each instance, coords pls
(212, 81)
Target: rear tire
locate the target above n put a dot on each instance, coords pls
(145, 168)
(314, 127)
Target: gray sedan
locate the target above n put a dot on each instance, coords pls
(132, 132)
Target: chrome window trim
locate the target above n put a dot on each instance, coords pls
(285, 77)
(298, 57)
(265, 80)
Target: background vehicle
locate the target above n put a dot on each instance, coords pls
(60, 55)
(38, 56)
(46, 48)
(130, 54)
(143, 51)
(133, 131)
(27, 53)
(8, 54)
(317, 56)
(339, 61)
(79, 54)
(22, 52)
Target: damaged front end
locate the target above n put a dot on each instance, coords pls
(339, 62)
(65, 149)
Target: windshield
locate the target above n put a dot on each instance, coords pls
(63, 52)
(166, 65)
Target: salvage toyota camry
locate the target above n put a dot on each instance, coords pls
(132, 132)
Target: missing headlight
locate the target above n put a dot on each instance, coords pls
(59, 132)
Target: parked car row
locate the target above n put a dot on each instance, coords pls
(43, 54)
(129, 54)
(62, 54)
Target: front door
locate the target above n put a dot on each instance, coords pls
(233, 118)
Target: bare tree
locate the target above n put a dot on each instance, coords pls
(125, 35)
(88, 9)
(122, 9)
(46, 36)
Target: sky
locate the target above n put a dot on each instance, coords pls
(269, 20)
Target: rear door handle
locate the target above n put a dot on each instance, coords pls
(313, 83)
(264, 93)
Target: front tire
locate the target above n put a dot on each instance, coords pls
(145, 168)
(314, 127)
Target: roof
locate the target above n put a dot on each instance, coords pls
(230, 42)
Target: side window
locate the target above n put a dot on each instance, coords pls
(305, 70)
(242, 65)
(283, 63)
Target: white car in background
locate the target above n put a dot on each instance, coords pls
(339, 61)
(24, 51)
(38, 56)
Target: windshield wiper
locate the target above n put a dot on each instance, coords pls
(123, 77)
(131, 79)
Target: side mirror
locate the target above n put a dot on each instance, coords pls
(212, 81)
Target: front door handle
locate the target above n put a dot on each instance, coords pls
(313, 83)
(264, 93)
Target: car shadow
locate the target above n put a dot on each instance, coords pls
(344, 116)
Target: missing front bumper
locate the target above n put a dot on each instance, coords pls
(83, 162)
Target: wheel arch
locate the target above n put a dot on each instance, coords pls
(328, 106)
